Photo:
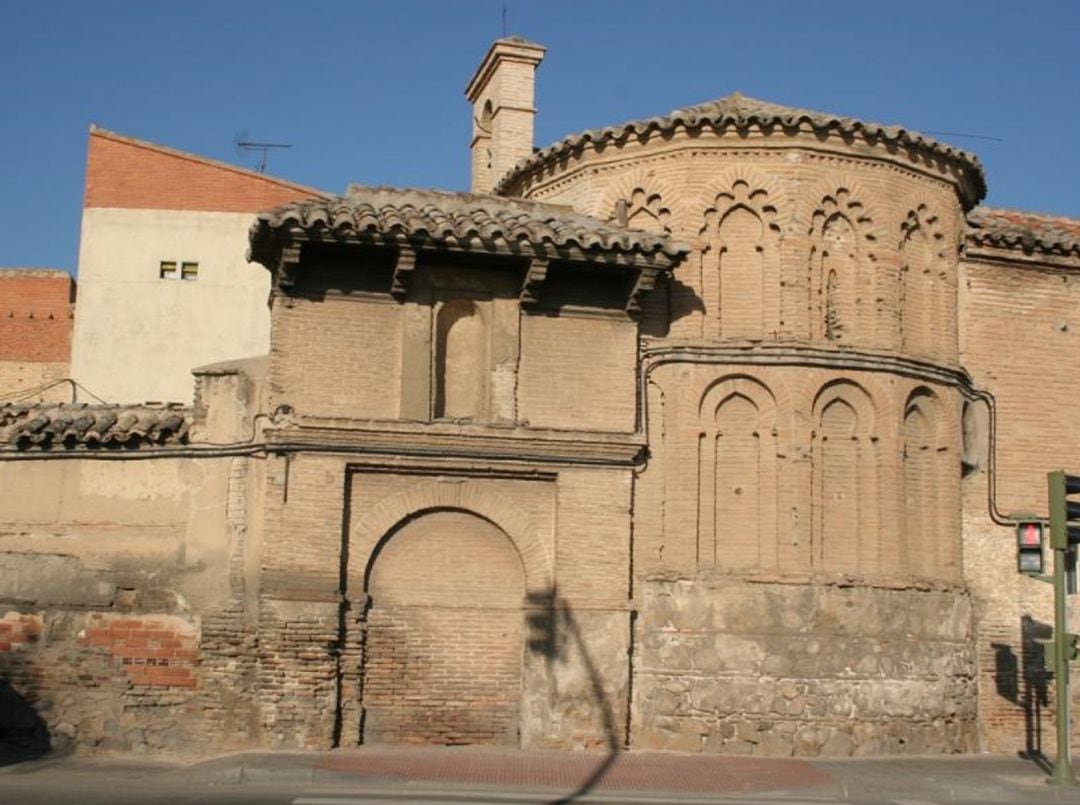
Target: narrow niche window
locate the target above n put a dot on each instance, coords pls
(461, 359)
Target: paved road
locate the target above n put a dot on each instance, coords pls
(487, 777)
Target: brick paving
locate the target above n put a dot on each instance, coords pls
(638, 771)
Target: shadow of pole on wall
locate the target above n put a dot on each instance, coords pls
(554, 633)
(1035, 679)
(1023, 681)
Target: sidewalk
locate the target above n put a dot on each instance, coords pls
(468, 774)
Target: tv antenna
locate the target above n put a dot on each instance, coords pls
(245, 146)
(962, 134)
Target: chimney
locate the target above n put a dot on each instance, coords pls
(501, 94)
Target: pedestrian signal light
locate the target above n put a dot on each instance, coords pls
(1029, 546)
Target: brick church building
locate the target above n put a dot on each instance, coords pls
(705, 432)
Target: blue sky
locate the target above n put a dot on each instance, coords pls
(373, 92)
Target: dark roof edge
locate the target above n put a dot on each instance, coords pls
(431, 219)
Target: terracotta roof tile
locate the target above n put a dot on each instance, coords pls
(433, 218)
(739, 112)
(51, 425)
(1014, 229)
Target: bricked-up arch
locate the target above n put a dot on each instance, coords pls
(433, 494)
(740, 262)
(444, 634)
(737, 475)
(925, 464)
(844, 526)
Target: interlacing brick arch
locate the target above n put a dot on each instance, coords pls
(426, 496)
(641, 201)
(739, 279)
(842, 277)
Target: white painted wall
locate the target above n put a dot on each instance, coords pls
(137, 337)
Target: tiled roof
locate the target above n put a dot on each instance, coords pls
(1012, 229)
(739, 112)
(429, 218)
(46, 425)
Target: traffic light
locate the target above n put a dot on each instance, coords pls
(1065, 522)
(1064, 536)
(1064, 513)
(1029, 546)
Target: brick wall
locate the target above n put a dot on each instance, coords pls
(151, 651)
(296, 685)
(337, 357)
(130, 173)
(577, 373)
(36, 320)
(1020, 340)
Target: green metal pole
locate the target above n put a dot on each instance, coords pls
(1063, 772)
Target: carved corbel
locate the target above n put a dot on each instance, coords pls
(645, 282)
(534, 278)
(288, 261)
(403, 267)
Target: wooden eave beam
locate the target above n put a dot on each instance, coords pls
(534, 280)
(404, 266)
(645, 282)
(287, 262)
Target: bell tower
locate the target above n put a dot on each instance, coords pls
(503, 109)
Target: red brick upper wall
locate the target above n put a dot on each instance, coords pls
(132, 174)
(36, 315)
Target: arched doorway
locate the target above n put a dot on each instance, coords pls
(443, 651)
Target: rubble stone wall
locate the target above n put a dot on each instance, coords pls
(736, 667)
